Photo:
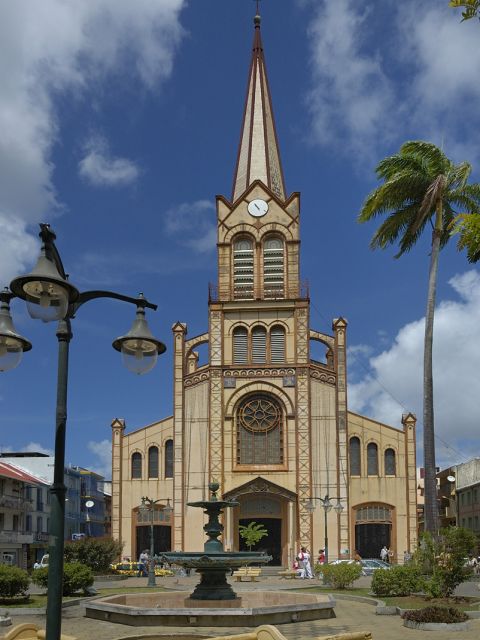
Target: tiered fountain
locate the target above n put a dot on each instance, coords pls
(213, 602)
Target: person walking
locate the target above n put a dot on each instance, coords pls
(142, 564)
(321, 556)
(384, 553)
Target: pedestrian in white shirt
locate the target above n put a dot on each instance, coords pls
(304, 557)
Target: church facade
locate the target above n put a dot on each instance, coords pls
(263, 418)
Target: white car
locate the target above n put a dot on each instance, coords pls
(43, 562)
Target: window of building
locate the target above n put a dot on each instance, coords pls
(153, 462)
(372, 459)
(39, 499)
(273, 268)
(48, 525)
(373, 513)
(240, 345)
(354, 456)
(28, 493)
(39, 524)
(259, 345)
(243, 274)
(15, 522)
(390, 467)
(28, 523)
(259, 430)
(136, 466)
(277, 344)
(169, 459)
(476, 526)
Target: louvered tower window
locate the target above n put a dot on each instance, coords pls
(277, 345)
(169, 459)
(259, 345)
(240, 346)
(273, 268)
(243, 257)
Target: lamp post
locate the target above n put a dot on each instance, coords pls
(327, 505)
(50, 296)
(148, 506)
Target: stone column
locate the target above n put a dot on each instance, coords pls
(178, 515)
(409, 422)
(118, 430)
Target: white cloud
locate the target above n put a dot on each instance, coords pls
(18, 248)
(52, 47)
(397, 371)
(100, 168)
(103, 452)
(194, 225)
(351, 93)
(32, 447)
(381, 75)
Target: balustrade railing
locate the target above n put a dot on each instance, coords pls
(248, 292)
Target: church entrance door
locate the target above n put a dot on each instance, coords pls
(272, 543)
(162, 536)
(370, 538)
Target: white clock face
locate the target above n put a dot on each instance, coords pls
(257, 208)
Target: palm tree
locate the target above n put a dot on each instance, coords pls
(421, 185)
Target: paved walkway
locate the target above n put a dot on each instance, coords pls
(351, 616)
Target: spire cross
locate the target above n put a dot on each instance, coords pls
(258, 6)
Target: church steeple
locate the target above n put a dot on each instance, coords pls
(258, 153)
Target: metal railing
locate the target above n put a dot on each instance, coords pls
(248, 292)
(14, 502)
(16, 537)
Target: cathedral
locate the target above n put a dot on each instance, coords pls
(263, 418)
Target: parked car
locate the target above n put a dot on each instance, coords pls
(369, 565)
(43, 562)
(133, 568)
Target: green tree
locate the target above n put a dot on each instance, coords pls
(442, 559)
(252, 533)
(421, 185)
(471, 8)
(96, 553)
(468, 228)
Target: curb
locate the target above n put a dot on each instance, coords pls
(436, 626)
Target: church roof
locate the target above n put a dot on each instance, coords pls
(258, 153)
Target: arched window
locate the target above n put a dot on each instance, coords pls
(136, 466)
(277, 345)
(153, 462)
(259, 430)
(372, 459)
(259, 345)
(243, 259)
(240, 345)
(169, 459)
(273, 268)
(355, 460)
(390, 466)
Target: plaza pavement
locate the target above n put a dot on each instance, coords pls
(351, 616)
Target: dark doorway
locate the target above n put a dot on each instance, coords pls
(272, 543)
(370, 538)
(161, 539)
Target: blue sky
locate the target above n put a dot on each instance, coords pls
(120, 123)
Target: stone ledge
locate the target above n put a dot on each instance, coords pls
(436, 626)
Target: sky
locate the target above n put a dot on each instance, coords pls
(120, 122)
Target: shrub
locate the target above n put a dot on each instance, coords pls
(96, 553)
(442, 559)
(13, 582)
(342, 575)
(76, 577)
(435, 614)
(397, 581)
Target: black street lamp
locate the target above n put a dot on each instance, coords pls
(148, 506)
(50, 296)
(327, 505)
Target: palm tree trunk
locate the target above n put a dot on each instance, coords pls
(430, 490)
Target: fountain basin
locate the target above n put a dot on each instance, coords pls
(168, 609)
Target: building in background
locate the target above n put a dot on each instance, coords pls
(446, 495)
(267, 414)
(468, 495)
(92, 505)
(24, 516)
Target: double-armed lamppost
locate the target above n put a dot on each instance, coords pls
(327, 505)
(148, 506)
(51, 297)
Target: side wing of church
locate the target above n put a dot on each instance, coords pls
(263, 418)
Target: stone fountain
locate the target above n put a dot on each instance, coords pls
(213, 603)
(214, 563)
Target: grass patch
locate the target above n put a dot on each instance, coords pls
(33, 601)
(418, 602)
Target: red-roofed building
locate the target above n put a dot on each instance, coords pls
(16, 507)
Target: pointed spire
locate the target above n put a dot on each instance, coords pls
(258, 153)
